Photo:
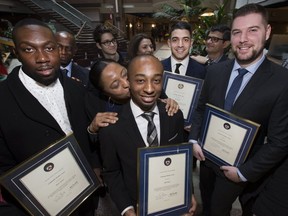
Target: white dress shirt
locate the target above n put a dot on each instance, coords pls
(182, 68)
(50, 97)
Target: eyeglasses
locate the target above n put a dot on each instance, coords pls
(109, 43)
(213, 39)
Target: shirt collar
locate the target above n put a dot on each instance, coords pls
(184, 62)
(29, 82)
(137, 111)
(251, 68)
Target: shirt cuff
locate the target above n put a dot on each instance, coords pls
(193, 141)
(242, 178)
(126, 209)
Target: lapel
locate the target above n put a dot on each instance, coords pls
(258, 79)
(167, 64)
(164, 123)
(29, 104)
(130, 127)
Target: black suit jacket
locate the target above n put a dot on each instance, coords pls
(26, 127)
(119, 143)
(194, 69)
(80, 73)
(264, 100)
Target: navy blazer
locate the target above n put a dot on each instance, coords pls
(119, 144)
(80, 73)
(264, 100)
(194, 68)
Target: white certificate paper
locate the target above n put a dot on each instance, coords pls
(224, 139)
(166, 179)
(182, 92)
(55, 183)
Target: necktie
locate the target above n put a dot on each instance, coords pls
(152, 137)
(65, 71)
(177, 68)
(233, 91)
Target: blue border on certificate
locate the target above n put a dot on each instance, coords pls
(12, 180)
(250, 127)
(143, 169)
(192, 80)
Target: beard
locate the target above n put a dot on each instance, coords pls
(248, 59)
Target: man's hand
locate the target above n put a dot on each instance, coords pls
(102, 120)
(171, 107)
(192, 210)
(231, 173)
(197, 152)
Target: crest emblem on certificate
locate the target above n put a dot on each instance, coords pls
(180, 85)
(167, 161)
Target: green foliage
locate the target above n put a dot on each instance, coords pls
(190, 11)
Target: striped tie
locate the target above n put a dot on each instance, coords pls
(152, 137)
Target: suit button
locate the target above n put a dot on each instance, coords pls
(47, 133)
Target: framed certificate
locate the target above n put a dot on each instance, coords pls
(53, 182)
(164, 180)
(226, 138)
(185, 90)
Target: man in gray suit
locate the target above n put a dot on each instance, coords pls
(119, 142)
(262, 98)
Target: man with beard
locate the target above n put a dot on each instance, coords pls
(217, 42)
(262, 98)
(39, 105)
(67, 49)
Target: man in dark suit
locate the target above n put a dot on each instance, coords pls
(39, 105)
(217, 42)
(67, 49)
(119, 142)
(180, 42)
(262, 98)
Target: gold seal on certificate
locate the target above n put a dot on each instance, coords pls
(54, 182)
(185, 90)
(225, 138)
(165, 180)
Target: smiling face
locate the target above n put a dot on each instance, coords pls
(216, 48)
(114, 82)
(145, 78)
(180, 43)
(145, 47)
(248, 37)
(37, 50)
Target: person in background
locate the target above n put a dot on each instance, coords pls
(141, 44)
(39, 106)
(262, 97)
(106, 44)
(119, 151)
(217, 42)
(180, 42)
(67, 50)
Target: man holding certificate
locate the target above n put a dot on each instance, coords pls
(39, 105)
(143, 122)
(253, 88)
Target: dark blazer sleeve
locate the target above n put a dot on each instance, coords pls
(80, 73)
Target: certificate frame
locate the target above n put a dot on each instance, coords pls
(191, 83)
(15, 180)
(168, 155)
(248, 131)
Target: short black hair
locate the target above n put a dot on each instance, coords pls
(99, 31)
(96, 72)
(224, 29)
(252, 8)
(181, 25)
(26, 22)
(135, 42)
